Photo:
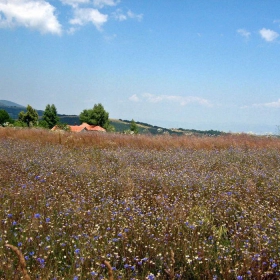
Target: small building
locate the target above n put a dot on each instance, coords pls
(84, 127)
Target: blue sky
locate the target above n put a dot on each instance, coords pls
(202, 64)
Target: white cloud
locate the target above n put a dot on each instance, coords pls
(134, 98)
(181, 100)
(34, 14)
(268, 34)
(273, 104)
(102, 3)
(121, 16)
(75, 3)
(83, 16)
(41, 15)
(244, 33)
(135, 16)
(72, 30)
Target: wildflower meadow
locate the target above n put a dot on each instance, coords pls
(147, 207)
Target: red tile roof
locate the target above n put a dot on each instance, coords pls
(83, 127)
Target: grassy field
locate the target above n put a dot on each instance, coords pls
(154, 207)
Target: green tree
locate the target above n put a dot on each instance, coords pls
(134, 127)
(50, 116)
(30, 117)
(4, 117)
(95, 116)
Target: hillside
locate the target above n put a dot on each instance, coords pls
(120, 125)
(9, 104)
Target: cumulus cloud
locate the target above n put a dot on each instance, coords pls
(181, 100)
(34, 14)
(83, 16)
(74, 3)
(273, 104)
(41, 14)
(134, 98)
(121, 16)
(244, 33)
(134, 16)
(102, 3)
(268, 34)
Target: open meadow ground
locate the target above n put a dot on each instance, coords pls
(153, 207)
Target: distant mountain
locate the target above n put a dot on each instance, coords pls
(13, 109)
(6, 103)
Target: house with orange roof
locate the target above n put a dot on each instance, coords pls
(84, 127)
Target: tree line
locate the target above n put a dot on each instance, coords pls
(30, 118)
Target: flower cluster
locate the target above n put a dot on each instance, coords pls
(194, 213)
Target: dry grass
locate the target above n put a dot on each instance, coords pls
(163, 142)
(22, 263)
(153, 207)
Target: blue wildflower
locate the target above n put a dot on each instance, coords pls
(42, 262)
(274, 265)
(151, 276)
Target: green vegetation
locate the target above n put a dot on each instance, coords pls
(95, 116)
(50, 116)
(155, 207)
(4, 117)
(119, 126)
(133, 127)
(30, 117)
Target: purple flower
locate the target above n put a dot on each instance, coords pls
(151, 277)
(274, 265)
(77, 251)
(37, 215)
(42, 262)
